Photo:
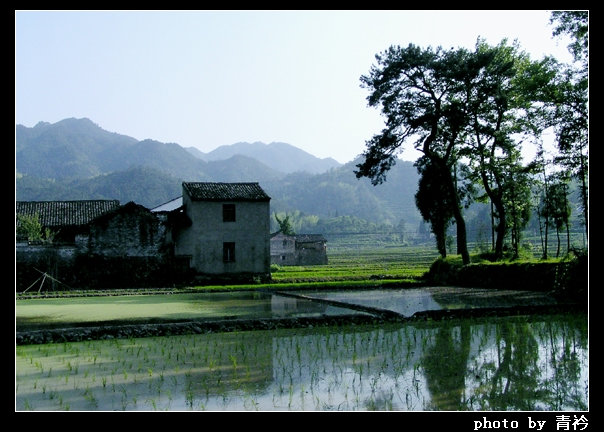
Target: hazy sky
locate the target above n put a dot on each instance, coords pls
(210, 78)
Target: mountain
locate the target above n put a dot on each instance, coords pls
(338, 192)
(78, 148)
(75, 159)
(144, 185)
(70, 148)
(277, 155)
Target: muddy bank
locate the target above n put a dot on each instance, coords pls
(125, 331)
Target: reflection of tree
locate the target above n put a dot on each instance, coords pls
(382, 401)
(522, 378)
(514, 384)
(565, 390)
(445, 366)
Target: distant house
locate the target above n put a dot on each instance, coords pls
(229, 233)
(302, 249)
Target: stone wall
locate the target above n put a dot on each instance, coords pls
(66, 269)
(122, 249)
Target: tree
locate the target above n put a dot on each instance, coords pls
(543, 206)
(560, 209)
(284, 225)
(500, 97)
(565, 110)
(433, 201)
(576, 25)
(567, 101)
(517, 199)
(416, 90)
(30, 227)
(459, 108)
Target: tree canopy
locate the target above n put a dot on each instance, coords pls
(467, 111)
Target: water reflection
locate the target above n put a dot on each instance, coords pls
(36, 314)
(409, 301)
(500, 364)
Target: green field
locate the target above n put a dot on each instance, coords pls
(392, 263)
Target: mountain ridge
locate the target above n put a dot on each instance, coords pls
(278, 155)
(76, 159)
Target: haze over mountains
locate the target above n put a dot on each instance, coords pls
(75, 159)
(277, 155)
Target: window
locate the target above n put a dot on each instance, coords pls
(228, 212)
(228, 252)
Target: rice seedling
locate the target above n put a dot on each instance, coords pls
(356, 368)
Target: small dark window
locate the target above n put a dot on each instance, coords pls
(228, 212)
(228, 252)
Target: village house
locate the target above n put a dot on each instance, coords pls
(229, 234)
(300, 249)
(215, 231)
(69, 220)
(96, 244)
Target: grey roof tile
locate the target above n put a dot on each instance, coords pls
(66, 213)
(225, 191)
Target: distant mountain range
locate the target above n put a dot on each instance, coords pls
(277, 155)
(76, 159)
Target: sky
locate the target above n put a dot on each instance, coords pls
(210, 78)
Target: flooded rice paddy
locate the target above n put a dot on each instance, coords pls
(32, 314)
(501, 363)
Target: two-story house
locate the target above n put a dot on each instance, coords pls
(229, 233)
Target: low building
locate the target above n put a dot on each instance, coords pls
(299, 250)
(69, 220)
(97, 244)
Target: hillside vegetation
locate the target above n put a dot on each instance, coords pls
(76, 159)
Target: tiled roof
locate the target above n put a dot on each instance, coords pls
(301, 238)
(225, 191)
(308, 238)
(173, 204)
(66, 213)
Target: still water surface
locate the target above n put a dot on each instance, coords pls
(471, 364)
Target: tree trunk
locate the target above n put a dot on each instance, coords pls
(462, 239)
(500, 227)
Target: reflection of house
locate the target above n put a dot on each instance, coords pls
(290, 307)
(301, 249)
(229, 231)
